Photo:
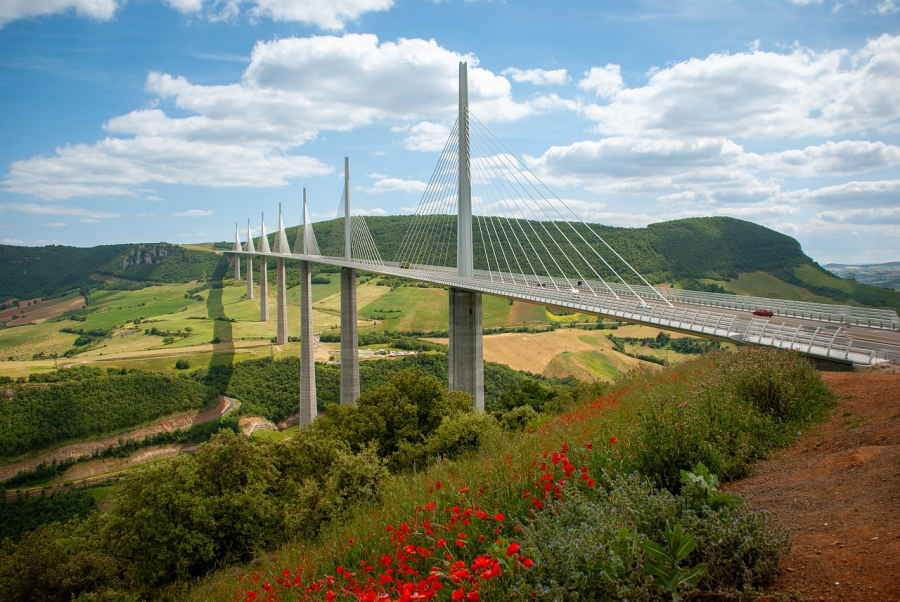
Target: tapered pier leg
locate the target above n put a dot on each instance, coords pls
(249, 276)
(349, 338)
(308, 406)
(466, 345)
(281, 337)
(263, 289)
(237, 267)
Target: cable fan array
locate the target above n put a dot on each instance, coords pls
(362, 245)
(306, 234)
(522, 233)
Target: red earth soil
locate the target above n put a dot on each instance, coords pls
(838, 491)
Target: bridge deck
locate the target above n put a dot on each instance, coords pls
(815, 329)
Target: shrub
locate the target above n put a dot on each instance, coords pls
(517, 418)
(182, 365)
(590, 548)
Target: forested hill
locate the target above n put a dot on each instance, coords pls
(30, 272)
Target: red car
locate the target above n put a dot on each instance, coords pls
(763, 312)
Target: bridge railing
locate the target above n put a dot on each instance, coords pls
(825, 342)
(823, 312)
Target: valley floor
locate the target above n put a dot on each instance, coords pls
(838, 491)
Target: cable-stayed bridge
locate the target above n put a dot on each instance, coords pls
(487, 225)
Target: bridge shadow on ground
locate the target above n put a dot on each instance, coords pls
(221, 361)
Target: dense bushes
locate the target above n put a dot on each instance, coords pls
(91, 404)
(754, 403)
(22, 513)
(590, 548)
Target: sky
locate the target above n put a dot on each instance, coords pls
(170, 120)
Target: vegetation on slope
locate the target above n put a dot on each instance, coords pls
(88, 402)
(30, 272)
(578, 500)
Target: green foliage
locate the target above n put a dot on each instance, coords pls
(182, 365)
(517, 418)
(351, 480)
(599, 546)
(22, 513)
(705, 485)
(756, 399)
(57, 562)
(43, 271)
(459, 434)
(404, 411)
(89, 403)
(663, 563)
(180, 518)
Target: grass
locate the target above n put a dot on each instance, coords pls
(761, 284)
(583, 365)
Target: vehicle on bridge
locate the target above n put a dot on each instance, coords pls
(763, 312)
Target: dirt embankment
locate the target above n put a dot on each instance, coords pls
(838, 491)
(86, 448)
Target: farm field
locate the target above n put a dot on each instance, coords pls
(37, 310)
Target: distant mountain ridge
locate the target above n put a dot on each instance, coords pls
(708, 252)
(884, 275)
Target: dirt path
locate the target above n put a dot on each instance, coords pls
(85, 448)
(838, 491)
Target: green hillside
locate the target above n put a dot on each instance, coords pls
(30, 272)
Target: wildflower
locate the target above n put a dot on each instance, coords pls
(512, 549)
(528, 563)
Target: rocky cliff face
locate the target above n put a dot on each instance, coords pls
(144, 254)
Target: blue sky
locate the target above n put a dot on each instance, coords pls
(149, 120)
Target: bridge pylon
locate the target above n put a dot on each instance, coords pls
(349, 322)
(466, 334)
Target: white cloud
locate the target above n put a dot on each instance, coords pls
(879, 216)
(113, 166)
(385, 184)
(425, 136)
(193, 213)
(762, 94)
(146, 214)
(538, 77)
(101, 10)
(333, 14)
(867, 194)
(830, 159)
(605, 82)
(55, 224)
(241, 134)
(31, 243)
(56, 210)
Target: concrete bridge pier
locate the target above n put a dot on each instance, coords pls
(349, 338)
(249, 276)
(263, 273)
(263, 289)
(467, 345)
(281, 338)
(308, 405)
